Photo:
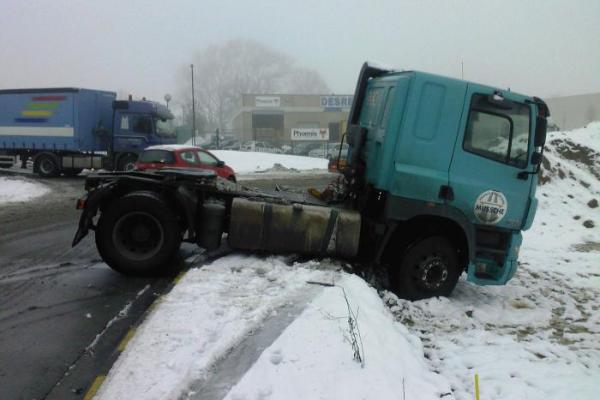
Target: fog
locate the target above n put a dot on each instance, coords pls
(543, 48)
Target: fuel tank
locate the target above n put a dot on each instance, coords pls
(295, 228)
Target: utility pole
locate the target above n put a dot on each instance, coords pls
(462, 69)
(193, 109)
(217, 133)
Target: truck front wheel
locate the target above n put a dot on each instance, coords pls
(429, 268)
(138, 234)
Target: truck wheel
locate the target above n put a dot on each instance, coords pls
(429, 268)
(47, 166)
(126, 162)
(138, 234)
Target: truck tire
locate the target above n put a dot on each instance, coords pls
(138, 234)
(429, 268)
(47, 166)
(126, 162)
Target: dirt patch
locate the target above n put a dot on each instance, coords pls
(587, 247)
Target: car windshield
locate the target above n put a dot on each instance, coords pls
(157, 156)
(165, 127)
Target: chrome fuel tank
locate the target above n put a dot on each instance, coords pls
(296, 228)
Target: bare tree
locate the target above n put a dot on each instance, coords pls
(223, 72)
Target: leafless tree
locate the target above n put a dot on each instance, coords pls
(223, 72)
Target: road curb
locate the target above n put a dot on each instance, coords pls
(130, 335)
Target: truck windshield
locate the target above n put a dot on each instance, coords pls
(164, 127)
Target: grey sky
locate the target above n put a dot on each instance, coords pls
(543, 48)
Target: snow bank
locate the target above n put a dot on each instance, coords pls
(208, 312)
(245, 162)
(312, 359)
(17, 190)
(215, 308)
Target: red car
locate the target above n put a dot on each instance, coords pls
(181, 156)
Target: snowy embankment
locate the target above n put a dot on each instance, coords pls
(216, 308)
(539, 336)
(18, 190)
(247, 163)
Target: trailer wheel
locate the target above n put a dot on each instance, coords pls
(429, 268)
(47, 166)
(126, 162)
(138, 234)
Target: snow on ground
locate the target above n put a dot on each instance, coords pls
(246, 162)
(539, 336)
(210, 311)
(216, 307)
(312, 359)
(17, 190)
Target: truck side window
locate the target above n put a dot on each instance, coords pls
(140, 124)
(370, 110)
(501, 134)
(488, 135)
(388, 107)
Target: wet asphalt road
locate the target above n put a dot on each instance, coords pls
(56, 301)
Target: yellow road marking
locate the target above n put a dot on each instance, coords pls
(178, 277)
(126, 340)
(94, 388)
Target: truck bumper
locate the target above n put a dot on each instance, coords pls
(487, 271)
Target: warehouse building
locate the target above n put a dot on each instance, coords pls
(286, 119)
(571, 112)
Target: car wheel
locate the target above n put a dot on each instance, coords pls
(429, 268)
(138, 234)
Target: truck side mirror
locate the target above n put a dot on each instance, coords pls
(536, 158)
(540, 131)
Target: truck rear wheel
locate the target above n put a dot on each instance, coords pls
(138, 234)
(429, 268)
(47, 166)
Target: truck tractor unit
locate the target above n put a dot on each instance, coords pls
(440, 179)
(65, 130)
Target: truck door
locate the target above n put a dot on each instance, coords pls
(132, 132)
(493, 145)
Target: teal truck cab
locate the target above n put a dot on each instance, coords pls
(440, 180)
(436, 157)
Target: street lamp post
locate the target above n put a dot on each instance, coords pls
(167, 99)
(193, 109)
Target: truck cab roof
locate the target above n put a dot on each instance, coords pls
(144, 106)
